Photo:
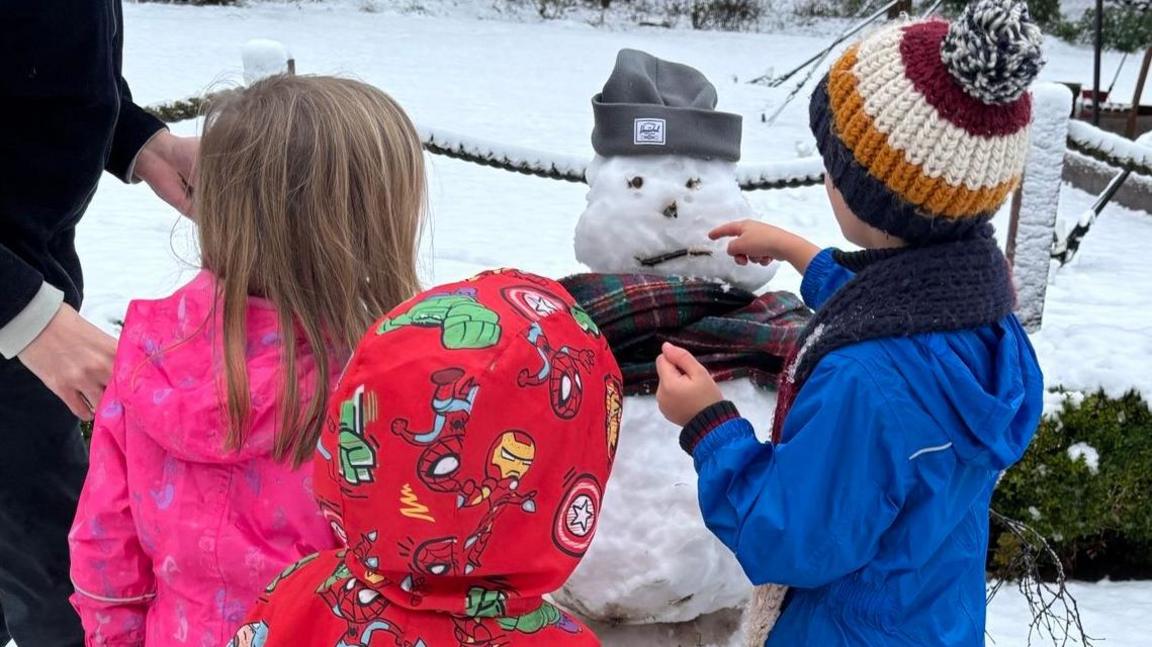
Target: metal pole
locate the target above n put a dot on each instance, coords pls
(1096, 63)
(1013, 228)
(778, 81)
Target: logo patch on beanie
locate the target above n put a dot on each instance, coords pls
(648, 132)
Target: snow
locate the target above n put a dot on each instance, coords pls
(653, 558)
(809, 169)
(1087, 453)
(1115, 614)
(1040, 200)
(1086, 134)
(262, 58)
(1096, 330)
(527, 86)
(641, 208)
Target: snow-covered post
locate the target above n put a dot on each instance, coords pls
(264, 57)
(1040, 200)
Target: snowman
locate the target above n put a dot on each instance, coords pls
(663, 177)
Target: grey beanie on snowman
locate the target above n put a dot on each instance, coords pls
(654, 107)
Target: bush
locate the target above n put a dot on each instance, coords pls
(730, 15)
(194, 2)
(1046, 13)
(828, 8)
(1085, 484)
(727, 15)
(552, 9)
(1127, 26)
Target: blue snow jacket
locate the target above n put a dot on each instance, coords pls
(874, 505)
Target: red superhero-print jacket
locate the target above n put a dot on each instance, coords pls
(463, 464)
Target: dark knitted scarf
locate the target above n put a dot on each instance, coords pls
(734, 333)
(902, 292)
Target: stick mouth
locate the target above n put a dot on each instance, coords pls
(653, 261)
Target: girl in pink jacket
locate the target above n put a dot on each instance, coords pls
(309, 200)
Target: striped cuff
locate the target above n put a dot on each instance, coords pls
(705, 423)
(25, 327)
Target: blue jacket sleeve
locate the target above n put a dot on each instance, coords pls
(822, 279)
(811, 510)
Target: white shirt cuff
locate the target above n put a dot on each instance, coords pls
(25, 327)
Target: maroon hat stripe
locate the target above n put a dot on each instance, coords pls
(920, 52)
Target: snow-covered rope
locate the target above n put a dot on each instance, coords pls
(808, 171)
(501, 156)
(1109, 148)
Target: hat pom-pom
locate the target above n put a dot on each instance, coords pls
(994, 50)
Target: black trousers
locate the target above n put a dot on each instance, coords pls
(42, 466)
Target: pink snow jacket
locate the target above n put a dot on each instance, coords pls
(175, 537)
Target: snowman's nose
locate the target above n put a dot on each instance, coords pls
(670, 211)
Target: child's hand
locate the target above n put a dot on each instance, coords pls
(686, 388)
(759, 242)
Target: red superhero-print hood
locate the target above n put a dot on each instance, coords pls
(468, 445)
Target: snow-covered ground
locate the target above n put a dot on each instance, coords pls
(527, 83)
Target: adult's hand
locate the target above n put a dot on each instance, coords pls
(73, 358)
(167, 163)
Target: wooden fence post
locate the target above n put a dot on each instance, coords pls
(1039, 201)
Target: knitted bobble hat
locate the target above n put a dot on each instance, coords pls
(923, 126)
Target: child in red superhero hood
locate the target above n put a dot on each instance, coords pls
(463, 463)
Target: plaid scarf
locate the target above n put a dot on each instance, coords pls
(734, 333)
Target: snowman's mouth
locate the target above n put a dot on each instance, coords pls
(653, 261)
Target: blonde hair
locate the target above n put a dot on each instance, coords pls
(310, 193)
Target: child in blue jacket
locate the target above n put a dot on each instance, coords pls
(914, 385)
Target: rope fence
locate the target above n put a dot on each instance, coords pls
(1083, 138)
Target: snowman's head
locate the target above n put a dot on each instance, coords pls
(651, 214)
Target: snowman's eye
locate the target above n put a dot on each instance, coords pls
(694, 183)
(636, 182)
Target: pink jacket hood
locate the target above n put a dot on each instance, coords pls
(191, 394)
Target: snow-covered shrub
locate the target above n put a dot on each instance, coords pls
(1127, 25)
(727, 15)
(194, 2)
(829, 8)
(1086, 486)
(550, 9)
(1046, 13)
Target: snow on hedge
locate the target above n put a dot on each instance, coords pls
(1086, 453)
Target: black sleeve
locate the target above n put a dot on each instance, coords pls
(56, 116)
(134, 126)
(21, 283)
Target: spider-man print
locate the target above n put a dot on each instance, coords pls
(451, 407)
(361, 607)
(439, 465)
(560, 370)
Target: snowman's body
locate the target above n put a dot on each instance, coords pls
(653, 559)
